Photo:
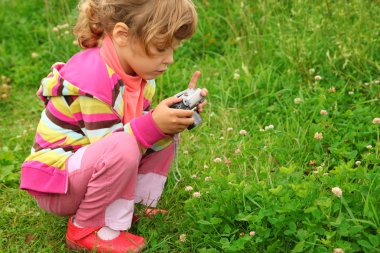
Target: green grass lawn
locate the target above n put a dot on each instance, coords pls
(294, 93)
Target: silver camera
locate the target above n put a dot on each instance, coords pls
(190, 99)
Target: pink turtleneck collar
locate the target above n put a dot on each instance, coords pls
(133, 95)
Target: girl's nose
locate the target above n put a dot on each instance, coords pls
(169, 59)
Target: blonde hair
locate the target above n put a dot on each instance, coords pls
(161, 23)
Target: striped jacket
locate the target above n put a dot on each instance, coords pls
(83, 103)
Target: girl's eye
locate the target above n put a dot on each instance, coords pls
(161, 50)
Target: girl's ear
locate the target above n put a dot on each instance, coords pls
(120, 34)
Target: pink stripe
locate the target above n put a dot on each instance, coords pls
(40, 141)
(39, 181)
(47, 168)
(99, 117)
(147, 103)
(115, 78)
(60, 115)
(78, 116)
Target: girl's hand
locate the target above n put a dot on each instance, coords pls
(173, 121)
(169, 120)
(193, 85)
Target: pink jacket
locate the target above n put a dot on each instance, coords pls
(83, 103)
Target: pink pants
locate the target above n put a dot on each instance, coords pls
(107, 178)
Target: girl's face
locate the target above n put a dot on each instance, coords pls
(135, 61)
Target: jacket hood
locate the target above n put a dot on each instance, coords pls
(84, 74)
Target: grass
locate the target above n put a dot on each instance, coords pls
(259, 61)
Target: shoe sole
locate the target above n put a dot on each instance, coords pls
(74, 246)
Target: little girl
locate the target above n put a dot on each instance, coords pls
(99, 149)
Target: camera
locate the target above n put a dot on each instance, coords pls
(190, 99)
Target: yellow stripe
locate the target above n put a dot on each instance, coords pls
(51, 82)
(61, 105)
(149, 91)
(72, 89)
(87, 105)
(51, 157)
(110, 71)
(48, 134)
(76, 142)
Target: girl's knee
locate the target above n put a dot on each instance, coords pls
(124, 151)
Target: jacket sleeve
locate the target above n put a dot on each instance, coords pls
(147, 133)
(97, 119)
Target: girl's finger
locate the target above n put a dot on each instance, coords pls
(194, 79)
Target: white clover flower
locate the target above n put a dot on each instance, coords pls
(218, 160)
(193, 176)
(350, 93)
(188, 188)
(376, 81)
(332, 90)
(34, 55)
(243, 132)
(369, 147)
(206, 166)
(207, 179)
(297, 101)
(197, 194)
(182, 238)
(230, 129)
(55, 29)
(237, 151)
(318, 136)
(317, 78)
(270, 127)
(63, 26)
(236, 75)
(245, 69)
(338, 250)
(262, 130)
(252, 233)
(323, 112)
(358, 163)
(185, 152)
(311, 71)
(337, 191)
(376, 121)
(221, 138)
(325, 174)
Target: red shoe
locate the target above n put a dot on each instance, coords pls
(149, 213)
(86, 238)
